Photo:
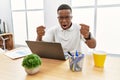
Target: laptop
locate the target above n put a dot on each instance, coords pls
(47, 50)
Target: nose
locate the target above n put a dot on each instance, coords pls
(64, 20)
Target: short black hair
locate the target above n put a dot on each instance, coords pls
(64, 6)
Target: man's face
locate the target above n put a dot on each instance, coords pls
(64, 18)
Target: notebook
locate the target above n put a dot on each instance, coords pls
(47, 50)
(18, 52)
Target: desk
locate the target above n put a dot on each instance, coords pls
(59, 70)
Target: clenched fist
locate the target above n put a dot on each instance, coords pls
(84, 30)
(40, 32)
(91, 42)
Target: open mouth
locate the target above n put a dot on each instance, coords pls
(64, 26)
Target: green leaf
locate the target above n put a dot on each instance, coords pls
(31, 61)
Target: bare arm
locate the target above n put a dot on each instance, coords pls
(39, 38)
(91, 42)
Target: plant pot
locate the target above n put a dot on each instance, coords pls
(32, 70)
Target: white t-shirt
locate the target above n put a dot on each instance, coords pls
(70, 39)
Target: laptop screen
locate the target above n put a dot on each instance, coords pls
(47, 49)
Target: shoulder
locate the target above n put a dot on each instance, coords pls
(52, 29)
(75, 25)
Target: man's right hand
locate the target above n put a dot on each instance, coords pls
(40, 32)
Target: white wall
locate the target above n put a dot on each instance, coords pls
(5, 13)
(50, 7)
(50, 12)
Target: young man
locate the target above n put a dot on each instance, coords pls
(67, 33)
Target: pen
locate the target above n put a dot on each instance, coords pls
(70, 53)
(71, 60)
(76, 53)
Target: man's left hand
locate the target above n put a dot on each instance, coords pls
(84, 30)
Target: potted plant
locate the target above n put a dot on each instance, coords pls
(31, 63)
